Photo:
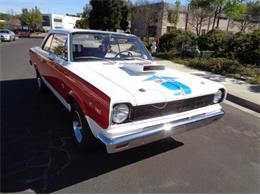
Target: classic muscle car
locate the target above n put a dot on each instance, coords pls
(116, 93)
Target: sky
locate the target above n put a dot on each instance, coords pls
(51, 6)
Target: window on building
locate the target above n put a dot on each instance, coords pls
(169, 28)
(203, 31)
(46, 21)
(152, 31)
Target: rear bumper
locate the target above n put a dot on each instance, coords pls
(158, 132)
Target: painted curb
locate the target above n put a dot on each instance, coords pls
(242, 102)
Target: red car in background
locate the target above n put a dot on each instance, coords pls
(23, 33)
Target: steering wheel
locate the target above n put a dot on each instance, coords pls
(129, 54)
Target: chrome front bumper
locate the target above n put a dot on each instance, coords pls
(158, 132)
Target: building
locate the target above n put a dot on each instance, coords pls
(55, 21)
(153, 20)
(12, 23)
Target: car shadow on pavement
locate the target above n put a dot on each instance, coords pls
(37, 151)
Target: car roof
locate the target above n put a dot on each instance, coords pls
(88, 30)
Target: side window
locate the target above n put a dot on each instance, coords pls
(59, 46)
(47, 45)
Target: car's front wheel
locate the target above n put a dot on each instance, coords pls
(81, 131)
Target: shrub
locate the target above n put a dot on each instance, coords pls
(167, 55)
(175, 40)
(146, 42)
(217, 41)
(216, 65)
(246, 47)
(224, 66)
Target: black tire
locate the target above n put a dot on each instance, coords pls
(39, 82)
(81, 132)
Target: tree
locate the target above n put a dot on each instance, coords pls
(25, 17)
(251, 17)
(175, 13)
(107, 14)
(200, 11)
(82, 23)
(2, 25)
(218, 6)
(36, 18)
(125, 17)
(31, 18)
(234, 10)
(144, 17)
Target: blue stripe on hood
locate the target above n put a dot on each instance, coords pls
(171, 84)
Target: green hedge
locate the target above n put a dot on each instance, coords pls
(175, 40)
(168, 55)
(244, 47)
(217, 41)
(224, 66)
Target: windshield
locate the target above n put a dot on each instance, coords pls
(99, 46)
(4, 31)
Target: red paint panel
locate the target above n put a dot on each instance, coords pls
(68, 84)
(88, 97)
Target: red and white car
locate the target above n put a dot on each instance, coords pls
(116, 93)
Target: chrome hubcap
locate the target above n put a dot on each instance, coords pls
(77, 127)
(39, 82)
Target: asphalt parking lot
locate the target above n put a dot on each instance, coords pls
(38, 155)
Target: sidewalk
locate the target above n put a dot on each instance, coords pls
(239, 92)
(38, 35)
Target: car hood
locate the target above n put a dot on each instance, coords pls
(147, 87)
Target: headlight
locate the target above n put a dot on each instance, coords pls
(120, 113)
(218, 96)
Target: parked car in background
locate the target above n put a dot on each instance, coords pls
(116, 93)
(23, 33)
(7, 35)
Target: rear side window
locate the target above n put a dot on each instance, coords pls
(59, 46)
(47, 44)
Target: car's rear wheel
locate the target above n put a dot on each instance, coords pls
(81, 131)
(40, 84)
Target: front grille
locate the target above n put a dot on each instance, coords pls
(162, 109)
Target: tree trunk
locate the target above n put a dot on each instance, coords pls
(200, 24)
(187, 19)
(215, 17)
(243, 25)
(197, 29)
(208, 24)
(219, 12)
(228, 24)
